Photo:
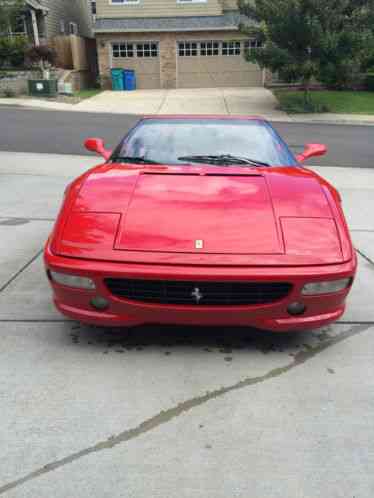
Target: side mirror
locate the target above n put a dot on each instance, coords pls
(97, 145)
(312, 150)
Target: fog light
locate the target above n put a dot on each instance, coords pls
(315, 288)
(72, 280)
(99, 303)
(296, 309)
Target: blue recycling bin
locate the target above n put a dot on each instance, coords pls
(117, 80)
(129, 79)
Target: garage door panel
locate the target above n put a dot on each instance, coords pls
(204, 74)
(148, 81)
(147, 70)
(222, 79)
(203, 71)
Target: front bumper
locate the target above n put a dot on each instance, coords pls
(320, 310)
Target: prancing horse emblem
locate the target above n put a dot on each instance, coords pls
(199, 244)
(196, 294)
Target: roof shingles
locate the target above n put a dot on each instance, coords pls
(227, 21)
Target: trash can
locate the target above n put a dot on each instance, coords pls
(117, 80)
(45, 88)
(129, 79)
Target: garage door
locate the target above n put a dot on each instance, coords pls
(215, 63)
(143, 57)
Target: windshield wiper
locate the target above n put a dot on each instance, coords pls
(223, 159)
(134, 160)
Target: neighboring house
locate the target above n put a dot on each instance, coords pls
(42, 20)
(175, 43)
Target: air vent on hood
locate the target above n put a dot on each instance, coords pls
(233, 174)
(156, 173)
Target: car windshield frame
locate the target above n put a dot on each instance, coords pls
(283, 149)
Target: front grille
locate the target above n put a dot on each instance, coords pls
(198, 293)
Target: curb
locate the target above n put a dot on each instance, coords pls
(342, 122)
(289, 119)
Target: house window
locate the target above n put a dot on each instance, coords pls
(62, 26)
(147, 49)
(124, 2)
(73, 28)
(123, 50)
(209, 48)
(93, 7)
(187, 49)
(231, 48)
(248, 44)
(19, 26)
(130, 50)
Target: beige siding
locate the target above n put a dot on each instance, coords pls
(158, 8)
(77, 11)
(229, 4)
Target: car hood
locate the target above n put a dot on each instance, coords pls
(267, 216)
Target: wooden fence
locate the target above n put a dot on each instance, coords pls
(72, 52)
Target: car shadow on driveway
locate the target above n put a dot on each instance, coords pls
(169, 340)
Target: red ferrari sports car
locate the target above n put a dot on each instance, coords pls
(203, 221)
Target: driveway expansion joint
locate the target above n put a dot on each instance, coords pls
(21, 270)
(186, 406)
(23, 218)
(369, 260)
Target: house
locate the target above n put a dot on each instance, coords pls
(175, 43)
(42, 20)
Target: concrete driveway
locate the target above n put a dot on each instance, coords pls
(175, 411)
(240, 101)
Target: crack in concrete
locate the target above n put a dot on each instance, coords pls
(17, 218)
(369, 260)
(36, 320)
(172, 413)
(353, 322)
(18, 273)
(225, 102)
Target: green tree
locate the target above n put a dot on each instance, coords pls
(10, 11)
(305, 39)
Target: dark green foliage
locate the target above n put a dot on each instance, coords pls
(41, 54)
(326, 40)
(370, 82)
(12, 51)
(10, 11)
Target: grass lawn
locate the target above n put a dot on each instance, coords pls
(350, 102)
(86, 94)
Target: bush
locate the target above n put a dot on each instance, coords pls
(296, 103)
(369, 82)
(41, 54)
(9, 93)
(12, 51)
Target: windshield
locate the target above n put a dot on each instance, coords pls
(174, 141)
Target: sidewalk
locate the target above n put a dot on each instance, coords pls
(229, 101)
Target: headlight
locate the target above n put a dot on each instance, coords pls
(325, 287)
(72, 280)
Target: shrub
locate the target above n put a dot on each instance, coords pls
(370, 81)
(42, 54)
(9, 93)
(296, 103)
(12, 51)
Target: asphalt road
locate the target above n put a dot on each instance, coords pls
(64, 132)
